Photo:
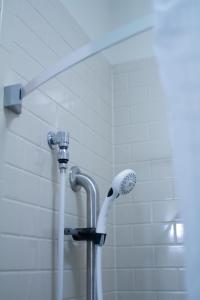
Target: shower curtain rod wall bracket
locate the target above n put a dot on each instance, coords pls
(13, 98)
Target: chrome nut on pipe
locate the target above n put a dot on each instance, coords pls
(62, 138)
(63, 157)
(60, 141)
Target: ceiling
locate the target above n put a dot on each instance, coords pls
(97, 17)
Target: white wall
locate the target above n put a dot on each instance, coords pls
(99, 17)
(148, 259)
(149, 232)
(35, 34)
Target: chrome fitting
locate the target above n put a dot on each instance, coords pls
(59, 141)
(13, 98)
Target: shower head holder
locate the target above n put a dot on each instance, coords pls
(86, 234)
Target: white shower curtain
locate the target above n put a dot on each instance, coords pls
(177, 40)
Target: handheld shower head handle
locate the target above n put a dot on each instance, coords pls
(103, 216)
(123, 183)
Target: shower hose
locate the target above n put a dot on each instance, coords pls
(99, 272)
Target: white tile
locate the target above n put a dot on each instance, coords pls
(24, 185)
(125, 280)
(182, 279)
(16, 157)
(75, 255)
(133, 213)
(108, 257)
(161, 169)
(29, 69)
(167, 280)
(170, 256)
(122, 116)
(130, 96)
(172, 296)
(32, 18)
(128, 257)
(122, 135)
(154, 191)
(120, 81)
(26, 254)
(139, 132)
(23, 220)
(128, 134)
(143, 76)
(157, 276)
(145, 280)
(109, 296)
(40, 162)
(159, 130)
(123, 154)
(121, 98)
(138, 94)
(49, 192)
(42, 106)
(148, 111)
(151, 150)
(153, 234)
(27, 40)
(108, 280)
(136, 296)
(26, 285)
(123, 235)
(165, 211)
(50, 10)
(70, 286)
(27, 126)
(157, 280)
(180, 232)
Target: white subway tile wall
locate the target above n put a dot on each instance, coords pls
(35, 34)
(144, 254)
(149, 233)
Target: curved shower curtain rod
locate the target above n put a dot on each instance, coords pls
(14, 94)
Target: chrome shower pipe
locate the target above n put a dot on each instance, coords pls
(78, 180)
(59, 142)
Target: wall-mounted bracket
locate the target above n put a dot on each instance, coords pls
(13, 98)
(86, 234)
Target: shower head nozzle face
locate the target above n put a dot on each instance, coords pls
(124, 182)
(128, 183)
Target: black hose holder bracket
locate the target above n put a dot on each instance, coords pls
(86, 234)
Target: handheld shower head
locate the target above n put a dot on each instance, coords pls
(122, 184)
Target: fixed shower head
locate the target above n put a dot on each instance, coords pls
(122, 184)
